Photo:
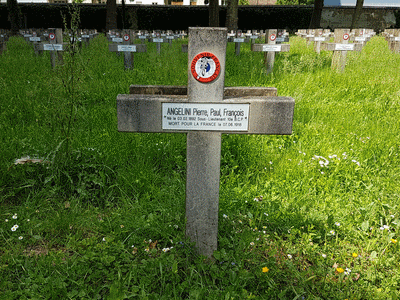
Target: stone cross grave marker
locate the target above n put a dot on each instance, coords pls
(55, 45)
(360, 36)
(35, 38)
(158, 39)
(393, 38)
(238, 39)
(340, 46)
(87, 35)
(251, 35)
(3, 41)
(204, 114)
(317, 38)
(270, 48)
(128, 48)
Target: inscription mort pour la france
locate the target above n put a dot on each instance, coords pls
(192, 116)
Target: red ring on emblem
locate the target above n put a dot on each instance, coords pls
(272, 37)
(52, 36)
(217, 67)
(346, 36)
(126, 37)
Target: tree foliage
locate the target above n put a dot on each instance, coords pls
(295, 2)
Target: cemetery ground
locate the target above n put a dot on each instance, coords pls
(99, 214)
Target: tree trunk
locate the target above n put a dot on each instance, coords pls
(213, 13)
(123, 14)
(316, 16)
(232, 15)
(13, 16)
(357, 13)
(111, 17)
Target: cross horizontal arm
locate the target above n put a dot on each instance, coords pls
(334, 47)
(50, 47)
(116, 47)
(270, 47)
(143, 113)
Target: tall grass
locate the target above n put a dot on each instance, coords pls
(295, 211)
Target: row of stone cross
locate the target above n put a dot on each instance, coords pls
(341, 42)
(323, 36)
(392, 36)
(276, 41)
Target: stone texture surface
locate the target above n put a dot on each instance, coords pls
(204, 148)
(142, 113)
(229, 92)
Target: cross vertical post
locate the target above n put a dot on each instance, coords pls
(128, 56)
(204, 148)
(339, 57)
(55, 39)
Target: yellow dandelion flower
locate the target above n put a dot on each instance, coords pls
(265, 270)
(340, 270)
(122, 226)
(394, 241)
(355, 255)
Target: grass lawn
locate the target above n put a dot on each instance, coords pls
(313, 215)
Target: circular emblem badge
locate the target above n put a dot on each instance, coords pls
(272, 37)
(346, 36)
(52, 36)
(205, 67)
(126, 37)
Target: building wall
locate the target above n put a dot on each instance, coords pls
(262, 2)
(376, 18)
(373, 3)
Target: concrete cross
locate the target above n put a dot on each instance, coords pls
(158, 39)
(393, 38)
(128, 48)
(340, 46)
(238, 38)
(360, 36)
(317, 37)
(270, 48)
(204, 114)
(3, 41)
(55, 45)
